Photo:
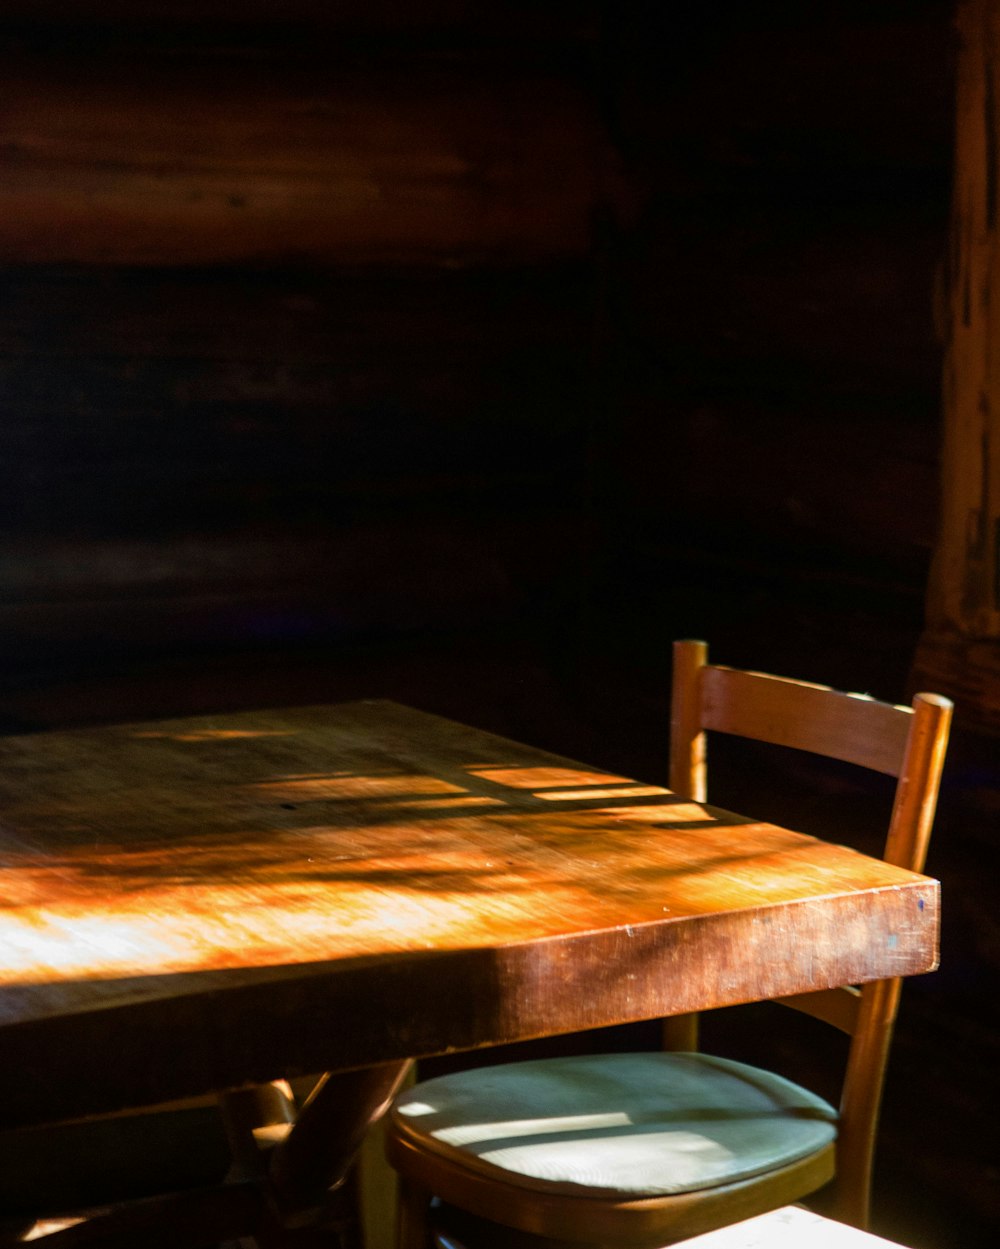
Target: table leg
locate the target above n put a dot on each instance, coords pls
(319, 1150)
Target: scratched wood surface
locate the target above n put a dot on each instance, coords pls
(214, 901)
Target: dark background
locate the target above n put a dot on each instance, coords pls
(467, 355)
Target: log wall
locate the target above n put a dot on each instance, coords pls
(296, 321)
(781, 288)
(321, 322)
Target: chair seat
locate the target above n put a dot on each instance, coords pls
(617, 1125)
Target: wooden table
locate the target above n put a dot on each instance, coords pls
(195, 905)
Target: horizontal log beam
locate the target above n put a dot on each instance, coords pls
(224, 160)
(365, 14)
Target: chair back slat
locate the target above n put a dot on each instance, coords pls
(851, 727)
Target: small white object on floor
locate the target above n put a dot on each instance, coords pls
(788, 1228)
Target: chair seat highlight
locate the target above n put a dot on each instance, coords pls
(617, 1125)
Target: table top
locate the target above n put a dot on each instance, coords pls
(195, 904)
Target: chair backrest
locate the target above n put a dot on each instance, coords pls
(905, 742)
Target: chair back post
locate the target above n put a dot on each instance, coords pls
(861, 1101)
(687, 738)
(679, 1033)
(919, 782)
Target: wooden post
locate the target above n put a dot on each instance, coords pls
(960, 652)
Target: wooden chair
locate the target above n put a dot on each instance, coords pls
(646, 1149)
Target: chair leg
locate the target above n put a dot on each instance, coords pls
(413, 1229)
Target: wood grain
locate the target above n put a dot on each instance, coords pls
(155, 160)
(958, 647)
(965, 588)
(852, 727)
(285, 891)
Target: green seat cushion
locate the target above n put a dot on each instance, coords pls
(640, 1125)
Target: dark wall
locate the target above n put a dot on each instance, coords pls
(297, 324)
(575, 320)
(774, 414)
